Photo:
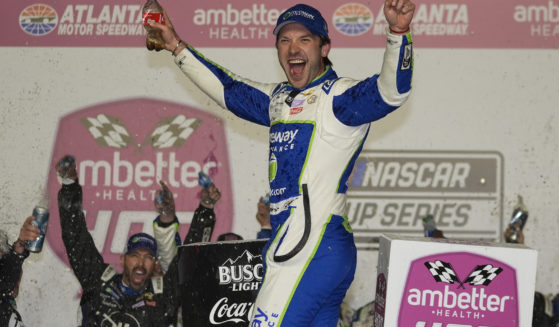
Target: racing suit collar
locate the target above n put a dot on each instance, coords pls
(328, 74)
(127, 290)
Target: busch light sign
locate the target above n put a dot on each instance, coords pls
(219, 282)
(122, 150)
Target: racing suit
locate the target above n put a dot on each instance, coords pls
(106, 301)
(316, 134)
(10, 274)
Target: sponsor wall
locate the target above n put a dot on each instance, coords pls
(478, 130)
(441, 24)
(122, 158)
(453, 283)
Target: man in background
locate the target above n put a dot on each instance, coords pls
(11, 261)
(135, 298)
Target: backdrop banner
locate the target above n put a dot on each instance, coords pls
(249, 23)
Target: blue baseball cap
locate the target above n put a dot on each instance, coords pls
(141, 241)
(306, 16)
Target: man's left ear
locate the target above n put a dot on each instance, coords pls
(325, 50)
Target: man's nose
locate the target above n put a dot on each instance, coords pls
(293, 47)
(141, 261)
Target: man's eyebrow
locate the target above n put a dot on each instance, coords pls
(298, 37)
(139, 251)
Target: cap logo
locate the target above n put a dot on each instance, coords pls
(305, 15)
(298, 13)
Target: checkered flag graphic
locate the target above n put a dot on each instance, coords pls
(442, 272)
(108, 131)
(173, 131)
(483, 275)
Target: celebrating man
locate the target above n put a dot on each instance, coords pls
(140, 296)
(318, 123)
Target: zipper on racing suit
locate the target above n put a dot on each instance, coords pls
(306, 232)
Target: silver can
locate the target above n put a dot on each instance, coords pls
(65, 164)
(163, 202)
(517, 222)
(41, 221)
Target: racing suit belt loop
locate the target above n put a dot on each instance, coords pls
(306, 232)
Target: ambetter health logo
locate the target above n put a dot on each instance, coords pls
(122, 150)
(459, 289)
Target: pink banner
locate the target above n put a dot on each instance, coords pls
(122, 150)
(474, 290)
(242, 23)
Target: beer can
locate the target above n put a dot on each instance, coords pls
(163, 202)
(204, 180)
(429, 226)
(41, 221)
(64, 165)
(163, 197)
(266, 199)
(519, 218)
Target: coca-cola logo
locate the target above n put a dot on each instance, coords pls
(122, 150)
(225, 312)
(459, 289)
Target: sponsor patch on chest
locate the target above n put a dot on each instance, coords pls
(295, 111)
(296, 106)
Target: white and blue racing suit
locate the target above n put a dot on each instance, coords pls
(316, 134)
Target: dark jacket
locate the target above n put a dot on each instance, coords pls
(106, 301)
(10, 273)
(201, 227)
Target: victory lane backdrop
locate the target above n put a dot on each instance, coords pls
(123, 149)
(485, 81)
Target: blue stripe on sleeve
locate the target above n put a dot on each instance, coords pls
(241, 99)
(361, 104)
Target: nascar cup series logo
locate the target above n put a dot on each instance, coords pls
(38, 19)
(459, 289)
(122, 150)
(353, 19)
